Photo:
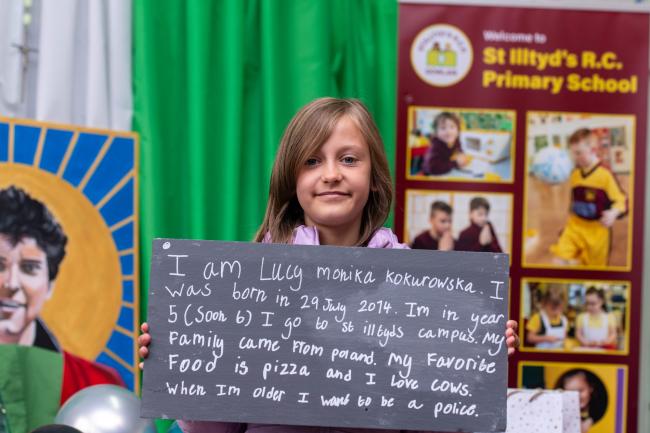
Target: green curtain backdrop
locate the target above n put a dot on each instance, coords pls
(215, 84)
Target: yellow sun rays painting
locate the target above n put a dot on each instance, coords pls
(87, 179)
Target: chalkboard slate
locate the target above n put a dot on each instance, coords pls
(327, 336)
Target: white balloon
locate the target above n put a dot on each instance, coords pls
(552, 165)
(104, 409)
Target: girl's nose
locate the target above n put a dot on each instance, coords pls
(331, 173)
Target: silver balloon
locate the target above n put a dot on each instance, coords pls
(104, 409)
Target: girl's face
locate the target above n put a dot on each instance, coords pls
(447, 131)
(334, 183)
(553, 310)
(593, 303)
(579, 383)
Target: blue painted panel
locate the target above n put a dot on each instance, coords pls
(83, 155)
(127, 376)
(127, 264)
(120, 206)
(54, 148)
(117, 162)
(127, 291)
(122, 346)
(4, 141)
(125, 320)
(123, 237)
(25, 143)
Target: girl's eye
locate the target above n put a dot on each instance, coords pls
(349, 159)
(29, 267)
(311, 162)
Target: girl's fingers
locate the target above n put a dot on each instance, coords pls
(144, 340)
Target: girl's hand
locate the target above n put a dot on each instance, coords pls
(143, 342)
(462, 160)
(512, 339)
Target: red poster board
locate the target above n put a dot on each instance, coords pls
(524, 130)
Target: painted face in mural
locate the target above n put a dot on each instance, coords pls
(32, 246)
(24, 287)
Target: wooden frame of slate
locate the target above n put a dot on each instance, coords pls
(327, 336)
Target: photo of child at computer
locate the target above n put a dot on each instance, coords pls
(458, 144)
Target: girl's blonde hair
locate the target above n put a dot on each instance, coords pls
(309, 129)
(554, 295)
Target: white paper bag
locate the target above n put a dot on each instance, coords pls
(543, 411)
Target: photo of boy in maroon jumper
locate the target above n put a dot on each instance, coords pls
(480, 235)
(438, 237)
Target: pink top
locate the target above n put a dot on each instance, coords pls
(383, 238)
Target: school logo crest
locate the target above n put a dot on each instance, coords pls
(441, 55)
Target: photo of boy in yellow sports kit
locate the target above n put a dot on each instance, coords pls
(577, 193)
(596, 202)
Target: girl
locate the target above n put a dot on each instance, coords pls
(547, 329)
(330, 185)
(592, 395)
(596, 327)
(445, 153)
